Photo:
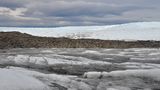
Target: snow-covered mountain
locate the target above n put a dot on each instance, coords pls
(130, 31)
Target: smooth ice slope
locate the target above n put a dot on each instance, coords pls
(12, 80)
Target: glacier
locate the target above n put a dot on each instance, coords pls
(86, 69)
(128, 32)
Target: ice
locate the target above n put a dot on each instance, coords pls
(119, 88)
(149, 73)
(91, 52)
(81, 69)
(12, 80)
(63, 80)
(47, 51)
(112, 89)
(128, 31)
(92, 75)
(29, 60)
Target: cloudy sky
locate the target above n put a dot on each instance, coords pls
(77, 12)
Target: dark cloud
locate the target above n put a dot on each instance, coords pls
(12, 3)
(76, 12)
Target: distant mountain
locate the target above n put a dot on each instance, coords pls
(23, 40)
(127, 32)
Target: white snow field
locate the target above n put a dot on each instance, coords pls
(80, 69)
(128, 32)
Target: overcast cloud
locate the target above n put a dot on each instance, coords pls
(77, 12)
